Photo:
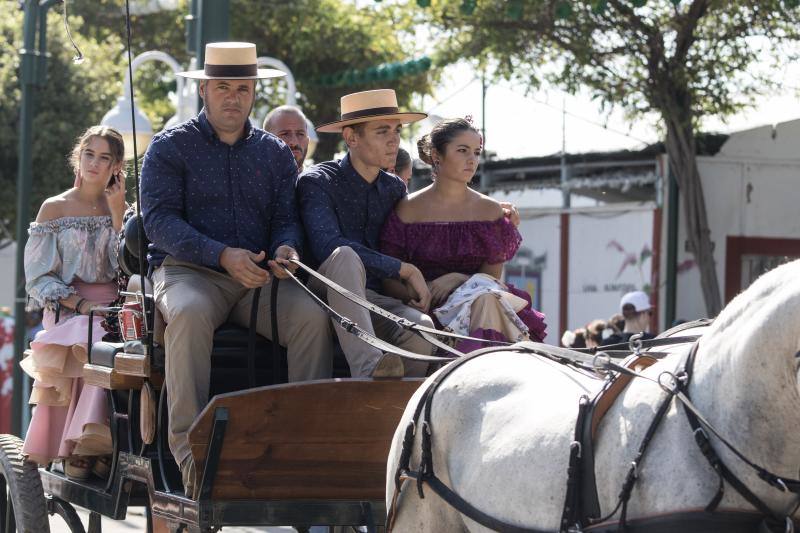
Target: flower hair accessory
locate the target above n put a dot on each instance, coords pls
(468, 118)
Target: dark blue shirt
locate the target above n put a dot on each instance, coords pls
(200, 195)
(340, 208)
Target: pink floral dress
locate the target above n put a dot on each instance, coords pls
(64, 256)
(439, 248)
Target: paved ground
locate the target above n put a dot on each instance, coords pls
(136, 522)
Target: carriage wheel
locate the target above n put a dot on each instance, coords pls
(22, 505)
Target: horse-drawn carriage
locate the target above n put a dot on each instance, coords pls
(516, 442)
(267, 452)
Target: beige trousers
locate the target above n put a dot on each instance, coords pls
(344, 267)
(195, 301)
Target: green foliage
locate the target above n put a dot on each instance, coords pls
(641, 55)
(384, 72)
(318, 38)
(313, 37)
(74, 98)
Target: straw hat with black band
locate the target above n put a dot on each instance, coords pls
(231, 61)
(368, 106)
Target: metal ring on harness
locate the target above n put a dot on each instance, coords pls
(601, 356)
(671, 388)
(635, 343)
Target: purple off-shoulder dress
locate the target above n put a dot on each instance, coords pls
(439, 248)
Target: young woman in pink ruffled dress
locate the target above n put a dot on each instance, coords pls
(460, 240)
(71, 264)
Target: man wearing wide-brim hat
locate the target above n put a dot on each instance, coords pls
(343, 205)
(218, 205)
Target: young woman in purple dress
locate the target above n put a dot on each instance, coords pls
(71, 264)
(460, 240)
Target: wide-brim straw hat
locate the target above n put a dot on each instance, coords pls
(368, 106)
(231, 61)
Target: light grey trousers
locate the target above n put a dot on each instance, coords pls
(344, 267)
(194, 302)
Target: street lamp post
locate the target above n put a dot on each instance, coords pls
(32, 74)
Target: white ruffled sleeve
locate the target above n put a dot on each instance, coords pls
(42, 267)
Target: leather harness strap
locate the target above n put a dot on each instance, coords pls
(688, 521)
(586, 432)
(700, 427)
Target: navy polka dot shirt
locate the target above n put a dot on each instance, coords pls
(200, 195)
(340, 208)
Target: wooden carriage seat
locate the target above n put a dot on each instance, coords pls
(325, 439)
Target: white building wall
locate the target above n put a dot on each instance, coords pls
(610, 254)
(541, 235)
(752, 189)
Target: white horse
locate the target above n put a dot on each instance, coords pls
(503, 423)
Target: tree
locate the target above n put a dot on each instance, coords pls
(322, 37)
(680, 59)
(313, 37)
(74, 97)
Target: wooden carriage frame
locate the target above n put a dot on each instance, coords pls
(301, 454)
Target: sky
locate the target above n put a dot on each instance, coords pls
(522, 125)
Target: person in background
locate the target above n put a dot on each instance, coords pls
(574, 339)
(460, 240)
(290, 125)
(636, 310)
(594, 333)
(70, 267)
(402, 166)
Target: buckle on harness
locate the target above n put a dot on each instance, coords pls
(575, 444)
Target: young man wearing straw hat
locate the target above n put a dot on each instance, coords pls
(343, 205)
(219, 207)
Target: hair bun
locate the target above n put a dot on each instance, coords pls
(424, 149)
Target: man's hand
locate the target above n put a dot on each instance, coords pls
(443, 286)
(282, 256)
(511, 212)
(242, 265)
(416, 283)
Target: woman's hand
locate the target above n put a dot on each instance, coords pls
(87, 305)
(115, 196)
(511, 212)
(442, 287)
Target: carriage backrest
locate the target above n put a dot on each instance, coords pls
(324, 439)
